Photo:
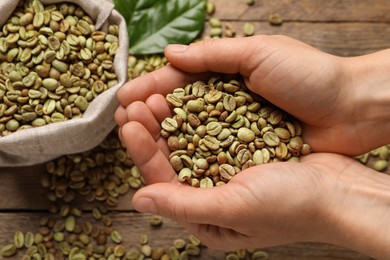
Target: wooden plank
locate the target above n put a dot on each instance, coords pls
(305, 10)
(344, 39)
(21, 189)
(132, 225)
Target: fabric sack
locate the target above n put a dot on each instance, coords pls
(42, 144)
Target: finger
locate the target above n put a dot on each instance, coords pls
(185, 204)
(140, 112)
(120, 135)
(210, 235)
(216, 55)
(162, 81)
(220, 238)
(146, 154)
(150, 116)
(159, 107)
(121, 116)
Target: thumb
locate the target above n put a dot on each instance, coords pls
(184, 204)
(217, 55)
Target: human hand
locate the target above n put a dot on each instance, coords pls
(144, 107)
(319, 89)
(252, 210)
(325, 198)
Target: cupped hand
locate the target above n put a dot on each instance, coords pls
(263, 206)
(305, 82)
(275, 203)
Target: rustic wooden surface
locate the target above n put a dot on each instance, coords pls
(340, 27)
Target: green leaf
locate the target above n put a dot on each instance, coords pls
(152, 24)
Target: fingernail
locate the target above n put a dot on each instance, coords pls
(145, 205)
(177, 47)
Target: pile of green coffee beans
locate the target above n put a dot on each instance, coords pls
(220, 128)
(377, 159)
(53, 63)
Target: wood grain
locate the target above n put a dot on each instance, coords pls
(305, 10)
(343, 39)
(21, 189)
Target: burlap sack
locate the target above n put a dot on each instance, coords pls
(41, 144)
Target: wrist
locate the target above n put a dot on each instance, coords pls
(367, 79)
(357, 212)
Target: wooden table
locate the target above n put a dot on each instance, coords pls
(340, 27)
